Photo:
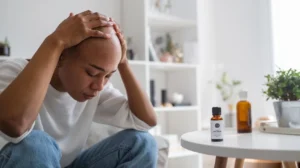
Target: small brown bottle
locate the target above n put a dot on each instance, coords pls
(243, 117)
(216, 125)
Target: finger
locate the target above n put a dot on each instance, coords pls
(97, 33)
(121, 38)
(88, 12)
(97, 16)
(117, 28)
(71, 14)
(99, 23)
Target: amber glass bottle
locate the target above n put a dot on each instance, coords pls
(217, 125)
(243, 117)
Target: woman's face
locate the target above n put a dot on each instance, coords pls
(86, 68)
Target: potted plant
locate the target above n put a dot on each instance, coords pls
(284, 88)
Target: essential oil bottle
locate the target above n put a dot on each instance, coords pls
(217, 125)
(243, 116)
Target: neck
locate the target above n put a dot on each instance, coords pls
(56, 83)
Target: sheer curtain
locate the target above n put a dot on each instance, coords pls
(286, 33)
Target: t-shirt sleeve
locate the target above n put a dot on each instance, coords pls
(9, 70)
(113, 110)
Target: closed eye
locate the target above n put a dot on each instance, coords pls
(90, 74)
(108, 76)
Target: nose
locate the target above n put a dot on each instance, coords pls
(98, 84)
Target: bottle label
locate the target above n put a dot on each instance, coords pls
(217, 129)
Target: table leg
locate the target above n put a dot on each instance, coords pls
(289, 164)
(221, 162)
(239, 163)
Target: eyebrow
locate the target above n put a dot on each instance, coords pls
(100, 68)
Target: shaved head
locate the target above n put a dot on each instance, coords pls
(85, 68)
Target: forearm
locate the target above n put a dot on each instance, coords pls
(138, 101)
(21, 100)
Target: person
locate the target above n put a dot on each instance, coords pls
(47, 104)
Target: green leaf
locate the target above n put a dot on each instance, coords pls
(283, 85)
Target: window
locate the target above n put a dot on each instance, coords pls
(286, 33)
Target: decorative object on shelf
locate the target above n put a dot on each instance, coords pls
(227, 90)
(284, 87)
(157, 5)
(152, 92)
(166, 57)
(172, 52)
(164, 99)
(165, 6)
(182, 104)
(177, 98)
(5, 48)
(130, 51)
(152, 52)
(174, 49)
(162, 6)
(178, 54)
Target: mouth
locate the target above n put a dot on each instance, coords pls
(86, 96)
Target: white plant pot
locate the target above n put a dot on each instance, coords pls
(287, 113)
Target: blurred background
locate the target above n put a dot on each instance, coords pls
(188, 55)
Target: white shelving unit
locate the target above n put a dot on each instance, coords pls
(176, 109)
(169, 22)
(181, 23)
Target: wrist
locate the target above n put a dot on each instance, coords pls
(55, 42)
(124, 63)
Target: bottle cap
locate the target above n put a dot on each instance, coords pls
(216, 110)
(243, 94)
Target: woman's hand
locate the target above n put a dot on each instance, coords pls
(122, 42)
(78, 27)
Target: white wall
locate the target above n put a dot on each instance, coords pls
(237, 35)
(27, 23)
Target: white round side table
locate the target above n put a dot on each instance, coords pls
(255, 145)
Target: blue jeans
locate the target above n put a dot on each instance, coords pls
(126, 149)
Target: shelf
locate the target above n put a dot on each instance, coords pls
(168, 22)
(171, 66)
(175, 109)
(137, 62)
(5, 57)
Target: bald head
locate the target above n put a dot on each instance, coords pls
(99, 50)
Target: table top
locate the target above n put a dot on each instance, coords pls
(255, 145)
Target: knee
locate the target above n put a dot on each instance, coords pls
(142, 140)
(39, 142)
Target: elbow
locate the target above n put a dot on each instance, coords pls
(13, 129)
(152, 122)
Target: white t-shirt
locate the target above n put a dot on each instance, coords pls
(69, 121)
